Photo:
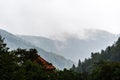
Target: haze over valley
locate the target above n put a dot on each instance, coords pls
(65, 30)
(59, 39)
(70, 46)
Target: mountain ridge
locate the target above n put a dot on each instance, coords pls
(15, 42)
(73, 47)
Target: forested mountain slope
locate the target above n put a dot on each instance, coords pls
(15, 42)
(74, 47)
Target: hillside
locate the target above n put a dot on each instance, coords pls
(15, 42)
(73, 47)
(110, 54)
(28, 65)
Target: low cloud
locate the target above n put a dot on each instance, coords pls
(52, 17)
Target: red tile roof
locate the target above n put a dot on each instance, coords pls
(46, 65)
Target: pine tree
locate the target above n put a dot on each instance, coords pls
(79, 67)
(73, 68)
(7, 64)
(3, 48)
(79, 63)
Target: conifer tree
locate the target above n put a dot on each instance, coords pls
(79, 67)
(73, 68)
(3, 48)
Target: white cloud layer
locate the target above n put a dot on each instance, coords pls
(50, 17)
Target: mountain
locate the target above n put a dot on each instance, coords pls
(110, 54)
(74, 47)
(15, 42)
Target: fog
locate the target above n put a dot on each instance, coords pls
(53, 17)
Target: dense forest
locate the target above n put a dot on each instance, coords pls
(22, 64)
(104, 65)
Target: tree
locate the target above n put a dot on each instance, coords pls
(73, 68)
(79, 67)
(3, 48)
(106, 71)
(7, 62)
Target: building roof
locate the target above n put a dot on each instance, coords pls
(48, 66)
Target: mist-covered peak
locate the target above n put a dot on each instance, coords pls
(75, 46)
(15, 41)
(83, 35)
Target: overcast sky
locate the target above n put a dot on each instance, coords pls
(50, 17)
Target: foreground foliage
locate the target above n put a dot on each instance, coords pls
(19, 65)
(104, 65)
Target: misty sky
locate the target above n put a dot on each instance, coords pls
(51, 17)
